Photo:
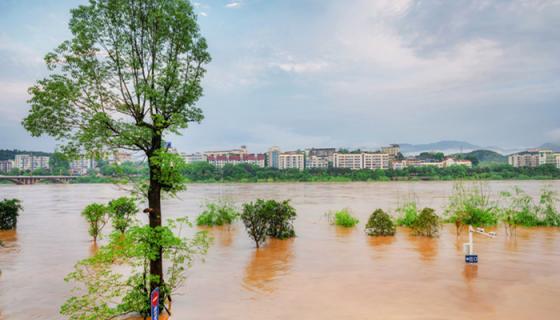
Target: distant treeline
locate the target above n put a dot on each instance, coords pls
(205, 172)
(11, 154)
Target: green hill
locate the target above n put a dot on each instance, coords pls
(482, 157)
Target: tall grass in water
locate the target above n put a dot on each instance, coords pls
(471, 205)
(218, 213)
(343, 218)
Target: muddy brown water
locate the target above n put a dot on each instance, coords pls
(324, 273)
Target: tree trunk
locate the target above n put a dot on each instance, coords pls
(154, 203)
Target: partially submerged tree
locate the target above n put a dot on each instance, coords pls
(111, 292)
(427, 223)
(96, 216)
(265, 218)
(121, 212)
(9, 212)
(256, 220)
(282, 216)
(380, 224)
(130, 75)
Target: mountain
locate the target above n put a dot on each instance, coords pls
(552, 146)
(446, 146)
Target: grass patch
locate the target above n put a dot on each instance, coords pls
(218, 214)
(343, 218)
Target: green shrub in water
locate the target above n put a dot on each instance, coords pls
(9, 212)
(408, 214)
(427, 224)
(96, 216)
(380, 224)
(265, 218)
(217, 214)
(343, 218)
(121, 212)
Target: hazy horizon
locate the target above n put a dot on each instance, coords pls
(344, 74)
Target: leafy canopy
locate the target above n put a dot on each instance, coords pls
(131, 71)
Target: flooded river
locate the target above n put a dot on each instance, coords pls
(324, 273)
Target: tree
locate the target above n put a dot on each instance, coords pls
(380, 224)
(96, 216)
(9, 212)
(59, 163)
(282, 216)
(427, 224)
(122, 211)
(256, 220)
(130, 74)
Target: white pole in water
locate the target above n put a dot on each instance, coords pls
(471, 244)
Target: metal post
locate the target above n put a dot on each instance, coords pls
(471, 244)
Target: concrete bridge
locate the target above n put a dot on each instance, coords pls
(35, 179)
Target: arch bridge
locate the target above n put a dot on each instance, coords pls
(35, 179)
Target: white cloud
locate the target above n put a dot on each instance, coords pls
(204, 14)
(302, 67)
(232, 5)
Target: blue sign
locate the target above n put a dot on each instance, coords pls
(471, 258)
(154, 304)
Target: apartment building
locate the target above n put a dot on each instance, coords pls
(238, 152)
(348, 160)
(221, 160)
(392, 150)
(546, 157)
(194, 157)
(6, 165)
(120, 157)
(319, 158)
(291, 160)
(529, 158)
(448, 162)
(26, 162)
(82, 165)
(273, 157)
(375, 161)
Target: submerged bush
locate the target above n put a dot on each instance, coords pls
(548, 211)
(520, 209)
(427, 224)
(256, 220)
(380, 224)
(282, 216)
(121, 212)
(9, 212)
(408, 214)
(95, 215)
(268, 218)
(343, 218)
(217, 214)
(471, 206)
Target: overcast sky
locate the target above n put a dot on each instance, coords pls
(352, 73)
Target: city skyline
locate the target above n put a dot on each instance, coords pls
(359, 75)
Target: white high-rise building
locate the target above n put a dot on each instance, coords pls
(82, 165)
(348, 160)
(26, 162)
(291, 160)
(273, 155)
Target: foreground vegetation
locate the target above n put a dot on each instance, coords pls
(9, 212)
